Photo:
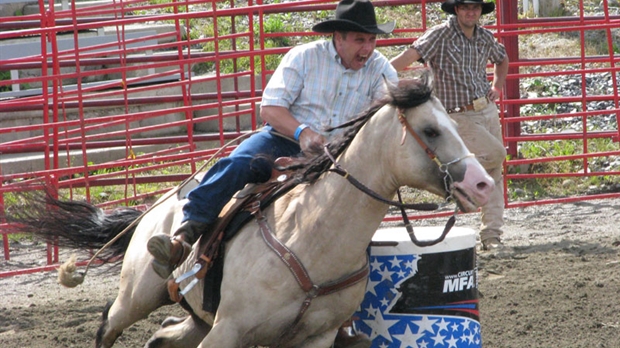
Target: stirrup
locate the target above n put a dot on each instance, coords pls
(174, 291)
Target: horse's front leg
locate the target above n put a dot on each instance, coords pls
(179, 333)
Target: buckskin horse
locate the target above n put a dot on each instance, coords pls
(297, 270)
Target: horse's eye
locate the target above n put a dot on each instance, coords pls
(431, 132)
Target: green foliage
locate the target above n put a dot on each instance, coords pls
(5, 75)
(382, 15)
(276, 24)
(566, 185)
(168, 9)
(541, 86)
(271, 61)
(323, 15)
(102, 194)
(203, 68)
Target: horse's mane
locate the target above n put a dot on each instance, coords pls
(407, 94)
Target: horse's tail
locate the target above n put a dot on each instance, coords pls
(73, 224)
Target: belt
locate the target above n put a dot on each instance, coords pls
(476, 105)
(469, 107)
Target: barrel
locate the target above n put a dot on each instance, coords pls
(421, 296)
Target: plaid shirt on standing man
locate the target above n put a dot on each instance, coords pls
(455, 59)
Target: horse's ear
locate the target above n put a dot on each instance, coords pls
(427, 78)
(387, 85)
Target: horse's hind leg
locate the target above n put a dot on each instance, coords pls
(105, 337)
(121, 314)
(131, 305)
(179, 333)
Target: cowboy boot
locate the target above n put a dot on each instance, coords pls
(348, 338)
(170, 252)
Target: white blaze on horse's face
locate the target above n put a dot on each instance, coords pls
(445, 122)
(475, 188)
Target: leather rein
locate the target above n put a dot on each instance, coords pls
(443, 167)
(296, 267)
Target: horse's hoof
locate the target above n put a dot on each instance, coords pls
(172, 321)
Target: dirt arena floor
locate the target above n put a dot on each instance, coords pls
(557, 284)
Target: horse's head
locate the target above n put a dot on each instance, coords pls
(407, 139)
(430, 147)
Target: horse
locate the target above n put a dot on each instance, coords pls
(324, 222)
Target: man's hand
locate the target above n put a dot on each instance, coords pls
(494, 94)
(311, 142)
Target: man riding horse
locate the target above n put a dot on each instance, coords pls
(317, 85)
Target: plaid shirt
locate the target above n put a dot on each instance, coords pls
(458, 63)
(319, 91)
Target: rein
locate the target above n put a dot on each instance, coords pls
(447, 181)
(443, 167)
(342, 172)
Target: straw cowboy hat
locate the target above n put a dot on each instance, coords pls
(354, 15)
(448, 5)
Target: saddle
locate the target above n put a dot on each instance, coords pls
(248, 204)
(235, 214)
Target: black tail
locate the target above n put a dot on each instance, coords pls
(72, 224)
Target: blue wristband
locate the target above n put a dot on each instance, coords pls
(298, 131)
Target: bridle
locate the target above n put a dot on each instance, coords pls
(443, 167)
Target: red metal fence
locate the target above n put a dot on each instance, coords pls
(100, 101)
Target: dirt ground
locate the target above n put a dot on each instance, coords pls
(557, 284)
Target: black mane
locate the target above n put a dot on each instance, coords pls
(408, 94)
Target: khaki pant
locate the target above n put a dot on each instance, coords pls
(481, 132)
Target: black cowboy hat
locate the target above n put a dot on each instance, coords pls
(448, 5)
(354, 15)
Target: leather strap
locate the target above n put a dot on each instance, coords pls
(301, 275)
(299, 271)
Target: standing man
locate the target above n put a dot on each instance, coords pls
(457, 52)
(317, 85)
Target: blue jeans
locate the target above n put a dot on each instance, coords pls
(250, 162)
